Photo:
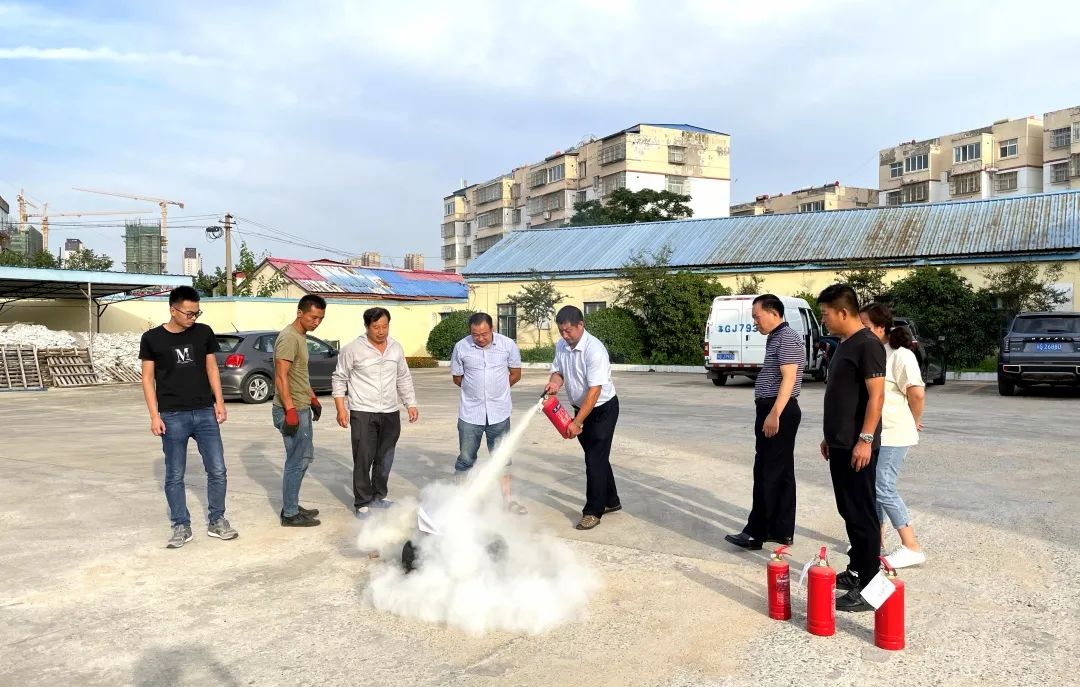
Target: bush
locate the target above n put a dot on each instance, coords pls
(445, 335)
(421, 362)
(622, 333)
(538, 354)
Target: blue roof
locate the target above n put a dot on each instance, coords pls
(331, 277)
(684, 127)
(971, 230)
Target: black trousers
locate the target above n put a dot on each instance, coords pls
(855, 499)
(595, 438)
(374, 436)
(773, 512)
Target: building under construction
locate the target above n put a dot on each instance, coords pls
(28, 243)
(142, 244)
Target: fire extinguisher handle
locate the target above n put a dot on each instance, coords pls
(889, 570)
(781, 551)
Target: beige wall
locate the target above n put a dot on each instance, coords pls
(485, 296)
(410, 324)
(1029, 143)
(1060, 119)
(834, 197)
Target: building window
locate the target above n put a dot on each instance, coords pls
(964, 184)
(582, 197)
(1059, 173)
(1075, 162)
(448, 229)
(517, 216)
(1061, 138)
(546, 203)
(812, 206)
(676, 155)
(612, 182)
(507, 320)
(482, 245)
(468, 228)
(892, 198)
(581, 167)
(489, 193)
(492, 218)
(594, 306)
(675, 184)
(538, 178)
(449, 252)
(1008, 148)
(915, 193)
(917, 163)
(613, 153)
(896, 169)
(557, 173)
(466, 253)
(1006, 181)
(448, 209)
(966, 153)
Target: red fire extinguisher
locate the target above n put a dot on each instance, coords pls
(779, 581)
(820, 599)
(889, 619)
(556, 413)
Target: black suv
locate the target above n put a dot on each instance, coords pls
(1040, 348)
(246, 363)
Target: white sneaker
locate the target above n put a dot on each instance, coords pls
(904, 557)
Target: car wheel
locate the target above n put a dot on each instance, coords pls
(720, 381)
(1006, 387)
(940, 379)
(256, 389)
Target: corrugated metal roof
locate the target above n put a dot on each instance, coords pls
(1044, 223)
(326, 277)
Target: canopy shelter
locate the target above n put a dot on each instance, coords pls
(99, 289)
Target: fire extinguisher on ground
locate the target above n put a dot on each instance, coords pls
(556, 413)
(820, 597)
(889, 618)
(779, 581)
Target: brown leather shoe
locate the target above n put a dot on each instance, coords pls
(588, 522)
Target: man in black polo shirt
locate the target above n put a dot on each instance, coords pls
(854, 396)
(182, 389)
(772, 516)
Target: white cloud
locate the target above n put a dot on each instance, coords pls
(100, 54)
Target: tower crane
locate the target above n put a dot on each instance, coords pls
(45, 215)
(163, 203)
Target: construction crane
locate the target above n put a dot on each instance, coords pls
(162, 203)
(45, 215)
(23, 202)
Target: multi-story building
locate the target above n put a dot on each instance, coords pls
(71, 246)
(192, 262)
(142, 248)
(813, 199)
(1002, 159)
(675, 157)
(1061, 150)
(414, 261)
(5, 224)
(28, 243)
(367, 259)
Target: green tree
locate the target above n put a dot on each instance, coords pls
(536, 302)
(247, 264)
(445, 335)
(750, 285)
(10, 258)
(623, 206)
(86, 259)
(1022, 286)
(811, 298)
(622, 333)
(43, 258)
(866, 277)
(945, 304)
(673, 304)
(210, 285)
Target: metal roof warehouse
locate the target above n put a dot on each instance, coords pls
(1035, 227)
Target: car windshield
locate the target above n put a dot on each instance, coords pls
(228, 344)
(1063, 324)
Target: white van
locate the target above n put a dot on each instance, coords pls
(734, 346)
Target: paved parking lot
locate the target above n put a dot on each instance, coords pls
(90, 595)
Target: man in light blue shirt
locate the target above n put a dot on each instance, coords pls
(485, 365)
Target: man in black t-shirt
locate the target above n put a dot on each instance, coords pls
(854, 396)
(182, 389)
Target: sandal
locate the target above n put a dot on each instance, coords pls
(516, 508)
(588, 522)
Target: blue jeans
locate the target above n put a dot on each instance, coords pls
(469, 436)
(202, 426)
(299, 452)
(890, 459)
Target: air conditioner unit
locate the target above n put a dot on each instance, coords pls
(547, 215)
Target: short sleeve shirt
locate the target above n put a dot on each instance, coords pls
(901, 373)
(180, 378)
(485, 383)
(857, 358)
(291, 345)
(784, 346)
(585, 365)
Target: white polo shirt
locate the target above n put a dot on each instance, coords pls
(585, 365)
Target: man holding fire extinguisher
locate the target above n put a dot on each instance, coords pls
(583, 366)
(854, 397)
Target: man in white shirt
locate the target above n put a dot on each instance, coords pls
(485, 365)
(583, 366)
(373, 376)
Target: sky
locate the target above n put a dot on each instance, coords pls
(329, 128)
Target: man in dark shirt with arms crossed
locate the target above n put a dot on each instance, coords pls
(182, 389)
(854, 396)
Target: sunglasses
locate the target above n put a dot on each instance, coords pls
(190, 315)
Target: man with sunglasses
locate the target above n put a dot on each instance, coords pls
(182, 389)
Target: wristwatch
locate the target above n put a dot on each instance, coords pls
(866, 438)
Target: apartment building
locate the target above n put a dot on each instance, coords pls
(674, 157)
(812, 199)
(1061, 150)
(1003, 159)
(193, 263)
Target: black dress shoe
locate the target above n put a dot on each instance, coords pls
(846, 581)
(299, 520)
(744, 540)
(782, 541)
(310, 512)
(612, 509)
(853, 602)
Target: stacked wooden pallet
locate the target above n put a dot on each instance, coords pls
(70, 367)
(20, 369)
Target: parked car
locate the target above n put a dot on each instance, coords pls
(928, 352)
(1040, 348)
(246, 363)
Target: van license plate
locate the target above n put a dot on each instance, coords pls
(725, 355)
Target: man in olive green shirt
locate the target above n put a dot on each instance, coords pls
(296, 407)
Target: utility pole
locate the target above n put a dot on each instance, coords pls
(227, 223)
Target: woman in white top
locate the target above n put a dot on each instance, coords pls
(901, 421)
